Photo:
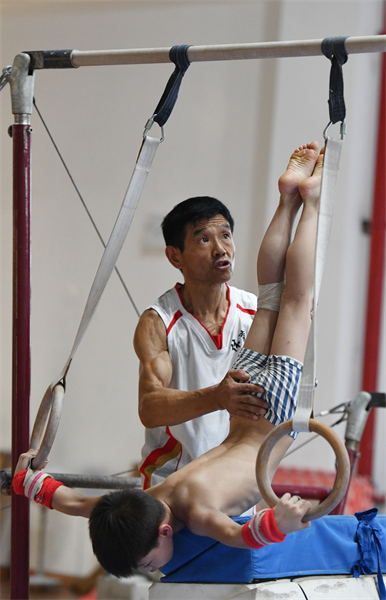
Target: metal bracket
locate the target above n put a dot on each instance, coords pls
(22, 85)
(358, 413)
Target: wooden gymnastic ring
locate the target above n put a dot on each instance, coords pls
(342, 467)
(49, 413)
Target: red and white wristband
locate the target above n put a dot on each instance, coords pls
(33, 483)
(36, 485)
(262, 530)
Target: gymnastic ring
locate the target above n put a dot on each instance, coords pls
(43, 435)
(342, 467)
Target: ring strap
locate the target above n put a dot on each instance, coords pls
(326, 208)
(334, 48)
(178, 55)
(115, 243)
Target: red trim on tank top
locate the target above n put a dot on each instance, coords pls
(249, 311)
(217, 339)
(174, 320)
(159, 457)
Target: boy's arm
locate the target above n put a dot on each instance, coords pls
(71, 502)
(266, 527)
(62, 499)
(218, 526)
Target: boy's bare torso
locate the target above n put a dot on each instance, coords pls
(222, 480)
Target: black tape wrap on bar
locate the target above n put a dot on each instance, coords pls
(50, 59)
(178, 55)
(334, 49)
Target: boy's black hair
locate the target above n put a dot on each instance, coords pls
(124, 528)
(192, 210)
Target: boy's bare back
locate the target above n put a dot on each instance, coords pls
(223, 480)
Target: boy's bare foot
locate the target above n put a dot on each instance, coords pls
(300, 167)
(309, 188)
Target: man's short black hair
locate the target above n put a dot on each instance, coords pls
(192, 210)
(124, 528)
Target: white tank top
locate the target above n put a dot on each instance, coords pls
(199, 360)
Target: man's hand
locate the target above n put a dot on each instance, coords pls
(236, 396)
(289, 512)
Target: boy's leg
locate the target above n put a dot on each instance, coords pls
(271, 262)
(272, 254)
(294, 320)
(295, 186)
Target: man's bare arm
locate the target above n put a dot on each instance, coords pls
(160, 405)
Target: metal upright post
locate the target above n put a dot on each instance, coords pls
(22, 95)
(375, 286)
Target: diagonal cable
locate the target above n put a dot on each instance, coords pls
(83, 203)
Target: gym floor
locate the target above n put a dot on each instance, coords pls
(61, 591)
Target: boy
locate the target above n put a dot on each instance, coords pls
(134, 529)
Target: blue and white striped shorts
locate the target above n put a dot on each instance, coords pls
(279, 376)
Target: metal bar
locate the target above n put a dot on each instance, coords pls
(97, 482)
(375, 286)
(21, 82)
(103, 482)
(21, 364)
(354, 45)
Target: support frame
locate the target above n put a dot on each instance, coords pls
(22, 81)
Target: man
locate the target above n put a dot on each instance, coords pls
(187, 341)
(134, 528)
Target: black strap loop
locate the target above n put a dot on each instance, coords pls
(178, 55)
(334, 49)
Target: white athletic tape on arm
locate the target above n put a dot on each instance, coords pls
(33, 482)
(254, 526)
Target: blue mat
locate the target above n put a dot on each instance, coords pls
(332, 545)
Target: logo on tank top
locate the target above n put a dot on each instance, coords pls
(236, 344)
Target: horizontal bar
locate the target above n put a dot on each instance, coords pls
(118, 483)
(80, 481)
(103, 482)
(354, 45)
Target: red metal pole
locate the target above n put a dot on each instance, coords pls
(376, 281)
(21, 362)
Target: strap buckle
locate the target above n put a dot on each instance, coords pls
(149, 125)
(4, 79)
(343, 129)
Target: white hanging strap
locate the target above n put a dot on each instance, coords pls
(115, 243)
(326, 207)
(51, 405)
(178, 55)
(334, 49)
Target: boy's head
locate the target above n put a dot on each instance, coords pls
(127, 526)
(191, 211)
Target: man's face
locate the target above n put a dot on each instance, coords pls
(159, 556)
(209, 251)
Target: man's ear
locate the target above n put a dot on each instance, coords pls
(165, 530)
(174, 256)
